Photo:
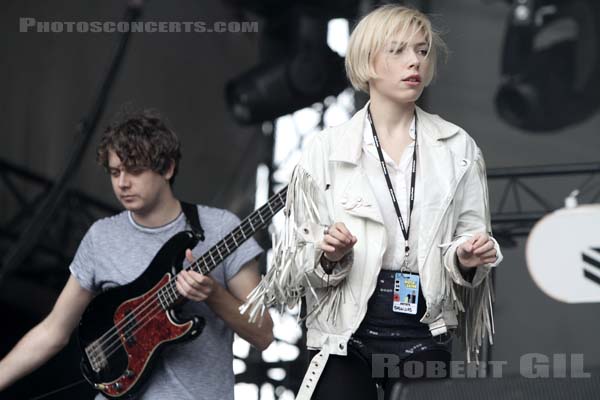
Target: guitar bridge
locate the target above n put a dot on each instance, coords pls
(96, 356)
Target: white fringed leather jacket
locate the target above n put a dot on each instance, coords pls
(329, 186)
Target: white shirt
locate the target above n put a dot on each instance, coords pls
(400, 175)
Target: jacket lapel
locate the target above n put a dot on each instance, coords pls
(441, 174)
(436, 169)
(436, 164)
(437, 179)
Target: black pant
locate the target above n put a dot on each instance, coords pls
(351, 377)
(385, 333)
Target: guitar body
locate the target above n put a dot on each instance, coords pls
(123, 330)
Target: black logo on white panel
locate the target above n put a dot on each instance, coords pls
(591, 268)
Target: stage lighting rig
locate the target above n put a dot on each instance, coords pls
(297, 68)
(550, 64)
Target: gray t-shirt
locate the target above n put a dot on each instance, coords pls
(116, 250)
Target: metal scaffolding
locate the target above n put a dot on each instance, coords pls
(523, 195)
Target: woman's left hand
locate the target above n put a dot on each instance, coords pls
(478, 250)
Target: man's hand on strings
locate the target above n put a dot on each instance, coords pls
(193, 285)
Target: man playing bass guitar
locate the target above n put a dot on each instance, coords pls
(142, 154)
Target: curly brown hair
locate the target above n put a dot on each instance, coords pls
(141, 140)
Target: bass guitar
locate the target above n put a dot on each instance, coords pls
(123, 330)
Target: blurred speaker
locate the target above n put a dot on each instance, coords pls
(505, 388)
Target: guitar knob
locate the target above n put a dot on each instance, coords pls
(117, 386)
(128, 373)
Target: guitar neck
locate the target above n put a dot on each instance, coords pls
(247, 228)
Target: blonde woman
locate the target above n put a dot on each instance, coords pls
(387, 226)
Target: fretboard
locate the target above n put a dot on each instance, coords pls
(247, 228)
(168, 294)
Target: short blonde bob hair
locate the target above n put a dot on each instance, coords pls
(376, 29)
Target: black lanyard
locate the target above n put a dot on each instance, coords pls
(405, 230)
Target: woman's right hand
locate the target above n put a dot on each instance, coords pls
(337, 242)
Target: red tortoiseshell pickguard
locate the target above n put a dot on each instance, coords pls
(157, 328)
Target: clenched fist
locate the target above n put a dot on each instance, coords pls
(337, 242)
(478, 250)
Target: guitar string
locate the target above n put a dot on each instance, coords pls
(145, 319)
(227, 243)
(139, 317)
(150, 301)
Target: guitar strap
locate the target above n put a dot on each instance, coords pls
(191, 214)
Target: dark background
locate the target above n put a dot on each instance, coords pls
(49, 81)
